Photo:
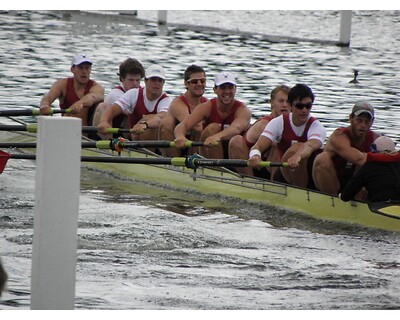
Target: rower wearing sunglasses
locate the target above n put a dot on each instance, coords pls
(180, 107)
(299, 138)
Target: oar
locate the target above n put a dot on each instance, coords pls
(114, 145)
(30, 112)
(32, 128)
(194, 161)
(388, 208)
(191, 162)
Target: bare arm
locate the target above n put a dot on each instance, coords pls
(339, 143)
(148, 121)
(108, 116)
(263, 144)
(56, 92)
(306, 149)
(255, 130)
(239, 125)
(199, 114)
(178, 109)
(95, 95)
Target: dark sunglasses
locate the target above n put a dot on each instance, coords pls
(195, 81)
(301, 106)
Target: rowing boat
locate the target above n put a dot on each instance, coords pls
(217, 182)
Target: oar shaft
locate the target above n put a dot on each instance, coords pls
(30, 112)
(32, 128)
(199, 162)
(190, 162)
(113, 159)
(92, 129)
(104, 144)
(33, 145)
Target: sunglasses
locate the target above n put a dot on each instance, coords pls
(301, 106)
(195, 81)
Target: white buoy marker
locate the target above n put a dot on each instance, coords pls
(57, 189)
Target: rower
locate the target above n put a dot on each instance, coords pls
(145, 106)
(299, 138)
(240, 145)
(79, 94)
(223, 117)
(346, 150)
(130, 74)
(181, 107)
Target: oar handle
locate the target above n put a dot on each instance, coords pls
(273, 164)
(189, 144)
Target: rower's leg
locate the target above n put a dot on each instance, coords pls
(101, 108)
(215, 152)
(298, 176)
(324, 174)
(166, 132)
(238, 149)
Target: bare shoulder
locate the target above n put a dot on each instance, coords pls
(95, 83)
(58, 88)
(96, 86)
(177, 107)
(177, 103)
(337, 140)
(244, 109)
(338, 134)
(60, 83)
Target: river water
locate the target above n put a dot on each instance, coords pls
(141, 247)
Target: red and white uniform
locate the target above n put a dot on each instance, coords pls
(135, 102)
(282, 130)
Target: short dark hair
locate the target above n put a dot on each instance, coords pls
(192, 69)
(130, 66)
(300, 91)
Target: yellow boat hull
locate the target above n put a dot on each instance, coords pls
(211, 181)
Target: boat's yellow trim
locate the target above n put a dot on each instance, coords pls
(222, 182)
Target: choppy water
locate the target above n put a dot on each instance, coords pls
(140, 247)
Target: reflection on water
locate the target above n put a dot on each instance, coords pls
(145, 248)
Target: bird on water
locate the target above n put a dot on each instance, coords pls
(355, 77)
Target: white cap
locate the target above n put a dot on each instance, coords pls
(155, 71)
(383, 144)
(80, 58)
(224, 77)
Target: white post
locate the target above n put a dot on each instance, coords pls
(345, 28)
(162, 17)
(55, 227)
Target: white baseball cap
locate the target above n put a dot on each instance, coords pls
(384, 144)
(224, 77)
(155, 70)
(80, 58)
